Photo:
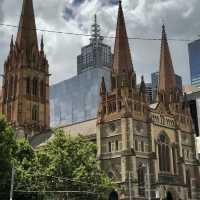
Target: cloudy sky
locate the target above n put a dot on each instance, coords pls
(143, 19)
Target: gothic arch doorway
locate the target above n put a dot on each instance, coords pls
(169, 196)
(113, 196)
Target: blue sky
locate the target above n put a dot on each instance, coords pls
(143, 19)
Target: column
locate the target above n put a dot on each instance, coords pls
(171, 159)
(156, 162)
(98, 138)
(180, 143)
(124, 132)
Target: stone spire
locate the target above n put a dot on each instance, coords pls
(142, 86)
(27, 36)
(166, 72)
(102, 90)
(122, 57)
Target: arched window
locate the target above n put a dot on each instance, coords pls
(113, 83)
(15, 86)
(142, 146)
(104, 109)
(35, 87)
(136, 145)
(120, 105)
(28, 84)
(188, 183)
(10, 87)
(9, 113)
(42, 89)
(174, 159)
(35, 113)
(114, 107)
(141, 180)
(109, 108)
(109, 147)
(164, 153)
(5, 89)
(116, 145)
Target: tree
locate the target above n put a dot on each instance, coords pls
(63, 164)
(7, 146)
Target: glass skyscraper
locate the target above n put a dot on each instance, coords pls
(194, 57)
(76, 99)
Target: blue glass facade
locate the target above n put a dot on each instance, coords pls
(194, 58)
(76, 99)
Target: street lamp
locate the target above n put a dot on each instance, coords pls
(13, 167)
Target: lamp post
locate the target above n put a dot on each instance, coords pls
(130, 187)
(148, 182)
(13, 167)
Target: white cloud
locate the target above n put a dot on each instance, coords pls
(143, 18)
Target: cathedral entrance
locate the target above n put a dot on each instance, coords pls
(169, 196)
(113, 195)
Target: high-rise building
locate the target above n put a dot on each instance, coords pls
(76, 99)
(194, 58)
(96, 54)
(25, 90)
(155, 80)
(149, 93)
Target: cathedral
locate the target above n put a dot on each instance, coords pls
(147, 150)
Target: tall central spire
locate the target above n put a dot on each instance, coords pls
(27, 36)
(166, 73)
(122, 57)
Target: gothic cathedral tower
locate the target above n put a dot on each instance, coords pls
(25, 91)
(122, 108)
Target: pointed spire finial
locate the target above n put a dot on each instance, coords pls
(102, 91)
(11, 43)
(142, 90)
(95, 19)
(122, 62)
(42, 43)
(166, 72)
(27, 36)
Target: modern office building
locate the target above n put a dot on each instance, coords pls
(75, 100)
(96, 54)
(194, 58)
(154, 81)
(194, 102)
(149, 92)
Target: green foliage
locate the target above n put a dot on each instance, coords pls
(7, 146)
(64, 163)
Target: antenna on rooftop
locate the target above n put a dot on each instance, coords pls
(96, 31)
